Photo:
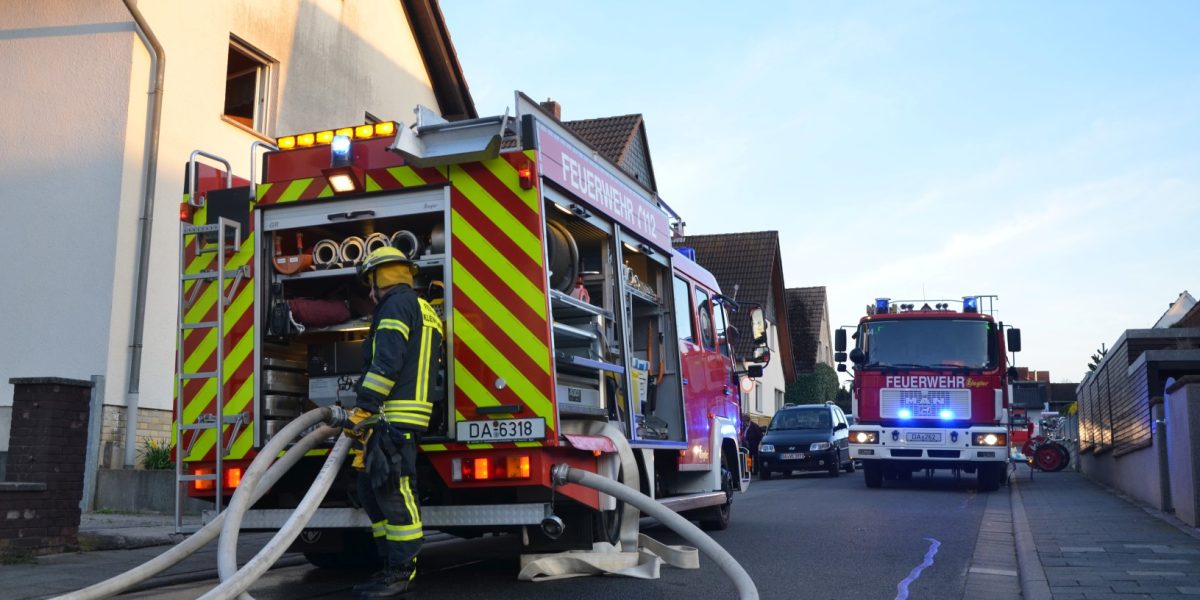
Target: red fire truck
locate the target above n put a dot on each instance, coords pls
(565, 309)
(930, 390)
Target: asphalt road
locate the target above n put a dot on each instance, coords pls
(801, 537)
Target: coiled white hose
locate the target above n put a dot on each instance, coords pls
(406, 242)
(119, 583)
(376, 241)
(325, 253)
(352, 251)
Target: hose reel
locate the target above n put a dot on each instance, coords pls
(563, 255)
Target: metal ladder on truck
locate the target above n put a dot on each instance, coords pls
(222, 239)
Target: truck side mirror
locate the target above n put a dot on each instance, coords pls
(1013, 374)
(758, 325)
(857, 356)
(839, 357)
(841, 367)
(762, 354)
(754, 371)
(839, 341)
(1014, 340)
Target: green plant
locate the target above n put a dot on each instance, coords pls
(818, 387)
(155, 454)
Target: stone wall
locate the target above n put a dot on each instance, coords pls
(1183, 447)
(152, 423)
(39, 504)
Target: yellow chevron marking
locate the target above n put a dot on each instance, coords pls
(479, 446)
(406, 176)
(479, 245)
(326, 192)
(433, 447)
(208, 297)
(262, 190)
(530, 343)
(529, 393)
(507, 174)
(476, 392)
(526, 240)
(530, 444)
(233, 406)
(371, 185)
(233, 315)
(293, 190)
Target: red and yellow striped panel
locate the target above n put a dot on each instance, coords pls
(501, 324)
(200, 350)
(317, 188)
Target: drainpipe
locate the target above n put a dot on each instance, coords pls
(158, 61)
(1158, 412)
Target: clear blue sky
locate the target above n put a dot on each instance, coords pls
(1045, 152)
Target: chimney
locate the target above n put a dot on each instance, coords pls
(553, 108)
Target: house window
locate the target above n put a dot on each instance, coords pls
(758, 399)
(778, 399)
(247, 86)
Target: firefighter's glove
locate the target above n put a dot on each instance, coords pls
(359, 423)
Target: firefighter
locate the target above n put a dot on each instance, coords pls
(391, 411)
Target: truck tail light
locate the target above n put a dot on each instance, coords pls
(203, 485)
(185, 212)
(487, 468)
(233, 477)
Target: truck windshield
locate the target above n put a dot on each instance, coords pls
(930, 343)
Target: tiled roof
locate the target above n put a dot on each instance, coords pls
(805, 308)
(743, 264)
(610, 135)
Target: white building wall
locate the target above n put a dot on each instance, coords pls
(66, 68)
(72, 131)
(768, 387)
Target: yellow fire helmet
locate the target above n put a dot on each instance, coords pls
(379, 257)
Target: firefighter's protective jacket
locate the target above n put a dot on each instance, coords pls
(401, 351)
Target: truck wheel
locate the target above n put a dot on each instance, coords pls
(989, 476)
(716, 518)
(873, 474)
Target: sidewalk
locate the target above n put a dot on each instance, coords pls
(111, 531)
(1095, 545)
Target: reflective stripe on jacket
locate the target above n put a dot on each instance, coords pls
(401, 353)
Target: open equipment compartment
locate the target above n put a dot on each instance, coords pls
(316, 313)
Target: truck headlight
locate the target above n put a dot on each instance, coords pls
(989, 439)
(864, 437)
(766, 448)
(818, 446)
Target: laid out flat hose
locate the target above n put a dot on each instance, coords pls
(119, 583)
(234, 581)
(563, 473)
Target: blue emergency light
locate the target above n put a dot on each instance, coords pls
(881, 305)
(946, 415)
(340, 151)
(970, 304)
(904, 413)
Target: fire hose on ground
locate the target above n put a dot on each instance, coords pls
(257, 488)
(264, 472)
(563, 474)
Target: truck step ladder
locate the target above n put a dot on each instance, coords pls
(222, 239)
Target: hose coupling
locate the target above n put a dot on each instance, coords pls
(337, 416)
(558, 473)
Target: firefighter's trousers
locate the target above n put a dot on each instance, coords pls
(393, 509)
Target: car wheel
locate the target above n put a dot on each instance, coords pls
(764, 474)
(834, 467)
(873, 474)
(850, 466)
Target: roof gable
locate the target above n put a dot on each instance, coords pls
(622, 140)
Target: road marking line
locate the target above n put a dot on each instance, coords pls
(987, 571)
(902, 587)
